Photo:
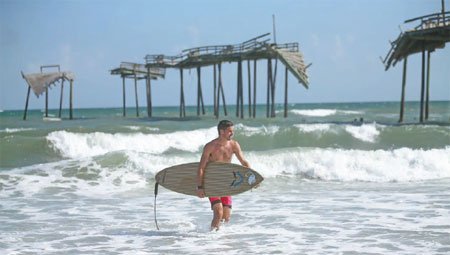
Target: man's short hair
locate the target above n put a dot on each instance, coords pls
(223, 125)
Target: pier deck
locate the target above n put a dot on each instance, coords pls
(254, 49)
(257, 48)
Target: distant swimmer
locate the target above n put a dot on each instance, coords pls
(220, 149)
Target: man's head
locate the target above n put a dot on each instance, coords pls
(225, 129)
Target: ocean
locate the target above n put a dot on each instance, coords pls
(340, 178)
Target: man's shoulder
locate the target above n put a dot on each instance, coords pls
(234, 144)
(211, 143)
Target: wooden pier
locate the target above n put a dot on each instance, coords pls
(252, 50)
(138, 72)
(40, 82)
(432, 33)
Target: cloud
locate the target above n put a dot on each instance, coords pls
(194, 33)
(350, 38)
(315, 40)
(32, 67)
(65, 57)
(341, 46)
(338, 49)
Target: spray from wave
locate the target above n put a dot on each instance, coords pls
(322, 112)
(76, 145)
(15, 130)
(125, 171)
(355, 165)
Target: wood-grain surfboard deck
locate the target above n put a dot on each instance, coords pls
(220, 179)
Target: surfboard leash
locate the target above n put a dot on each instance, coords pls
(154, 206)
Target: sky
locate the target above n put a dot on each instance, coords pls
(342, 39)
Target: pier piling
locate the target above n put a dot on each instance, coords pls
(199, 93)
(427, 101)
(182, 106)
(273, 83)
(46, 102)
(215, 90)
(422, 90)
(223, 94)
(61, 98)
(286, 93)
(136, 93)
(249, 90)
(149, 93)
(402, 104)
(124, 104)
(71, 100)
(269, 85)
(254, 88)
(26, 103)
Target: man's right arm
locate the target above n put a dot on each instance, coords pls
(200, 171)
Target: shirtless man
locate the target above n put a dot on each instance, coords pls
(220, 149)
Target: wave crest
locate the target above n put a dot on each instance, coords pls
(322, 112)
(78, 145)
(355, 165)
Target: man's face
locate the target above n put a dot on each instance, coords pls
(227, 133)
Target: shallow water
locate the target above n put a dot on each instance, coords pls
(332, 185)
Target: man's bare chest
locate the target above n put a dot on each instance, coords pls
(221, 153)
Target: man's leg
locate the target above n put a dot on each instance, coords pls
(218, 214)
(226, 203)
(226, 213)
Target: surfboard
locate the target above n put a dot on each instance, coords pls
(219, 180)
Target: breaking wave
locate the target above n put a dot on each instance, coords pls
(322, 112)
(124, 171)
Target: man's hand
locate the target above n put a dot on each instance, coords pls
(201, 193)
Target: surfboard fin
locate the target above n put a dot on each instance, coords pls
(154, 206)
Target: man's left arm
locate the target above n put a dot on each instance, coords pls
(240, 155)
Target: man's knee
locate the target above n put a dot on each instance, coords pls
(226, 213)
(218, 210)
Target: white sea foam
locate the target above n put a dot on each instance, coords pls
(250, 131)
(131, 170)
(365, 132)
(322, 112)
(152, 152)
(77, 145)
(15, 130)
(403, 164)
(384, 218)
(136, 128)
(311, 128)
(51, 119)
(315, 113)
(82, 177)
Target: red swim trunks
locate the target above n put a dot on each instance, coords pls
(226, 201)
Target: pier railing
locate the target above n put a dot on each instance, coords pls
(141, 69)
(253, 44)
(163, 59)
(287, 46)
(432, 20)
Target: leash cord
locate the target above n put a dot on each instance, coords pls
(154, 206)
